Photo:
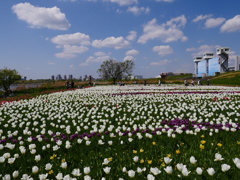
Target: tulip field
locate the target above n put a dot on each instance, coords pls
(123, 132)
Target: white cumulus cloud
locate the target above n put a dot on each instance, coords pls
(99, 53)
(138, 10)
(231, 25)
(71, 51)
(164, 0)
(84, 64)
(202, 49)
(41, 17)
(132, 52)
(161, 63)
(214, 22)
(72, 44)
(111, 42)
(167, 32)
(163, 50)
(92, 59)
(123, 2)
(129, 58)
(76, 38)
(132, 36)
(201, 17)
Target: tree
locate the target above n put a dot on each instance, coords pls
(111, 69)
(8, 77)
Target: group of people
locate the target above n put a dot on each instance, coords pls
(121, 83)
(69, 84)
(199, 82)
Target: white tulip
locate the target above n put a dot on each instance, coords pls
(211, 171)
(76, 172)
(11, 160)
(7, 177)
(48, 166)
(180, 167)
(236, 160)
(167, 160)
(64, 165)
(107, 170)
(225, 167)
(2, 159)
(199, 171)
(35, 169)
(37, 158)
(87, 177)
(238, 165)
(67, 177)
(150, 177)
(43, 176)
(135, 158)
(193, 160)
(139, 170)
(86, 170)
(105, 161)
(218, 157)
(59, 176)
(131, 173)
(15, 174)
(124, 169)
(155, 171)
(168, 169)
(185, 172)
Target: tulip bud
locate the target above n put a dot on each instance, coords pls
(131, 173)
(34, 169)
(199, 171)
(15, 174)
(86, 170)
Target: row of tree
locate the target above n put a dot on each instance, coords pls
(109, 70)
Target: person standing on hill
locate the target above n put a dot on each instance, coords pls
(208, 82)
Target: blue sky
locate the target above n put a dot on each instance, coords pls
(41, 38)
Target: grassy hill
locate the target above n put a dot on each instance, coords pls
(229, 79)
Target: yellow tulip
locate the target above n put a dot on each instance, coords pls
(149, 161)
(178, 151)
(201, 146)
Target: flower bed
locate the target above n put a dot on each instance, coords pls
(112, 132)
